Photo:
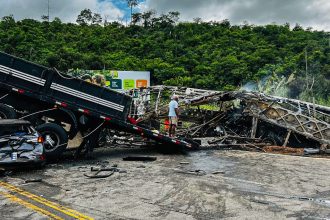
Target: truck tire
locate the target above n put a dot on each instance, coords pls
(7, 112)
(55, 140)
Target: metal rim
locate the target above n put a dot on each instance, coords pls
(51, 141)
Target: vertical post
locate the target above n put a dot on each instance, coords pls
(135, 103)
(220, 106)
(314, 112)
(48, 11)
(158, 100)
(306, 66)
(131, 13)
(287, 138)
(130, 109)
(254, 127)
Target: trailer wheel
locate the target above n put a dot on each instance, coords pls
(55, 140)
(7, 112)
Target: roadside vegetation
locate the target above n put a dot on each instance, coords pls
(276, 59)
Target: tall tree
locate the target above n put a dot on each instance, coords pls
(96, 19)
(44, 18)
(85, 17)
(147, 17)
(136, 18)
(131, 4)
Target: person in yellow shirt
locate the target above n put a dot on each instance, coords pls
(99, 80)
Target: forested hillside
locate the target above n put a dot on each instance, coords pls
(210, 55)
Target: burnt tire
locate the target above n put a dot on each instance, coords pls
(55, 140)
(7, 112)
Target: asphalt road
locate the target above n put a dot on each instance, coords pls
(200, 185)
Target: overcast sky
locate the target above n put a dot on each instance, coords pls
(308, 13)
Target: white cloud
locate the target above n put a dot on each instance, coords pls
(66, 10)
(309, 13)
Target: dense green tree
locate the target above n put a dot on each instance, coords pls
(211, 55)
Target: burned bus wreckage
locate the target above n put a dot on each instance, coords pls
(236, 119)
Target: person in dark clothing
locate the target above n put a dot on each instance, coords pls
(92, 132)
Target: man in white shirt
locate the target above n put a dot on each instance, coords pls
(173, 114)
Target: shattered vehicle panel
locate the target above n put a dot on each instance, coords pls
(20, 144)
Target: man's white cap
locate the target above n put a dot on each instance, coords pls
(175, 97)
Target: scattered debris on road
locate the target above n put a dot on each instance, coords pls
(284, 150)
(139, 158)
(193, 172)
(33, 180)
(109, 172)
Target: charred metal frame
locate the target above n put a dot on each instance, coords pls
(294, 116)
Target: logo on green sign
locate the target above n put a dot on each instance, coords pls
(115, 84)
(129, 84)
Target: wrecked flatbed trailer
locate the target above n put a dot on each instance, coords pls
(307, 119)
(36, 92)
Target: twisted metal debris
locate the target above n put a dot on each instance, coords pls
(237, 117)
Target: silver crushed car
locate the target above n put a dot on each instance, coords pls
(20, 144)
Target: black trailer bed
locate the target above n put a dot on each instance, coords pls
(51, 84)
